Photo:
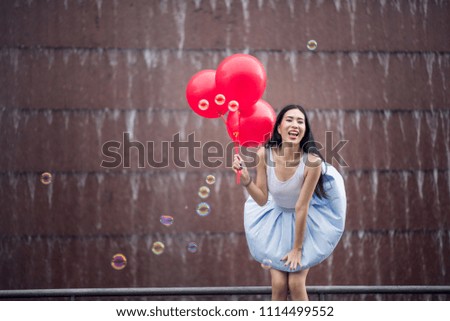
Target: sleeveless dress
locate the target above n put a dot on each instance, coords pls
(270, 229)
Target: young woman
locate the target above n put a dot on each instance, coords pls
(295, 214)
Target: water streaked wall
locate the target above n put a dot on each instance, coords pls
(75, 74)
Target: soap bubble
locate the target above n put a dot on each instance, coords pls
(203, 104)
(233, 106)
(220, 99)
(312, 45)
(119, 261)
(46, 178)
(266, 264)
(158, 248)
(192, 247)
(166, 220)
(204, 191)
(203, 209)
(210, 179)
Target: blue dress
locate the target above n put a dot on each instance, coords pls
(270, 229)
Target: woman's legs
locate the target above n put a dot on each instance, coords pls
(279, 285)
(297, 285)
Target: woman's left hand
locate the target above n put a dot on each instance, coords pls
(293, 258)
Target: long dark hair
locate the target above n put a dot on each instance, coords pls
(307, 144)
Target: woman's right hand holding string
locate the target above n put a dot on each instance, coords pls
(239, 165)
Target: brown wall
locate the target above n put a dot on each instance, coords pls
(76, 74)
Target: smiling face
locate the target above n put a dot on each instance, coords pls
(292, 127)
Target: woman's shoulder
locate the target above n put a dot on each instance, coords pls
(261, 153)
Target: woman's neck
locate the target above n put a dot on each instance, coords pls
(289, 152)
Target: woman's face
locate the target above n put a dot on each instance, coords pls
(292, 127)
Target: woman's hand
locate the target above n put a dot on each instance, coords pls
(238, 164)
(293, 258)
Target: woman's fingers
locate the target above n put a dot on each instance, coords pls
(293, 265)
(292, 262)
(237, 159)
(287, 258)
(238, 163)
(297, 264)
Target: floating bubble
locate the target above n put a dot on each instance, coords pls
(266, 264)
(312, 45)
(166, 220)
(158, 248)
(233, 106)
(119, 261)
(192, 247)
(46, 178)
(203, 104)
(220, 99)
(203, 209)
(204, 191)
(210, 179)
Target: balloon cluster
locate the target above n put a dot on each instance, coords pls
(235, 87)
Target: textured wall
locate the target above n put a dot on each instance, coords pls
(75, 74)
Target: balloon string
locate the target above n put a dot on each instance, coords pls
(236, 149)
(236, 144)
(223, 119)
(238, 173)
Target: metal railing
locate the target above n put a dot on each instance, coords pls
(321, 291)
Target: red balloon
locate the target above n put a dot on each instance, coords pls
(253, 128)
(203, 97)
(241, 79)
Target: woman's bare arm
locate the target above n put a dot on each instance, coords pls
(312, 174)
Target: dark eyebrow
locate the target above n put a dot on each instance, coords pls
(293, 117)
